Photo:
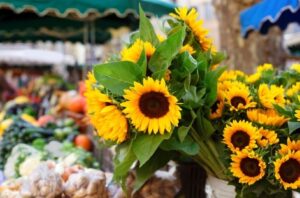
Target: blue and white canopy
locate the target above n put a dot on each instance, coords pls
(267, 13)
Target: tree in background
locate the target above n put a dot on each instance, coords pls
(245, 54)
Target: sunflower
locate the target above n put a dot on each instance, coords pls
(248, 167)
(227, 85)
(267, 137)
(296, 67)
(187, 48)
(189, 17)
(264, 67)
(291, 146)
(271, 95)
(133, 52)
(240, 135)
(287, 170)
(107, 119)
(231, 75)
(90, 81)
(239, 99)
(297, 115)
(253, 78)
(267, 117)
(151, 107)
(295, 89)
(216, 110)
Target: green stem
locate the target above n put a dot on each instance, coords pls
(206, 155)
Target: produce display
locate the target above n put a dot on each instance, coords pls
(163, 101)
(49, 180)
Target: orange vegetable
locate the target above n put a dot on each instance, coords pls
(83, 141)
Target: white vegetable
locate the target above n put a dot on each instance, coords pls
(44, 182)
(89, 183)
(18, 150)
(31, 163)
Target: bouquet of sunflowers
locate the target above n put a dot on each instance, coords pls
(153, 99)
(257, 117)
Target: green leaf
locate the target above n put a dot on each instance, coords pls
(210, 81)
(293, 126)
(158, 160)
(165, 53)
(186, 63)
(204, 126)
(283, 111)
(217, 58)
(123, 161)
(117, 76)
(188, 146)
(142, 62)
(146, 30)
(182, 132)
(193, 97)
(145, 145)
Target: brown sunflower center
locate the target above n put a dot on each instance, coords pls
(289, 171)
(240, 139)
(214, 108)
(154, 104)
(250, 167)
(235, 101)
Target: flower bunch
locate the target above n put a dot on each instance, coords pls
(152, 99)
(257, 119)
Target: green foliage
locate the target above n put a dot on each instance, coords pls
(123, 161)
(144, 146)
(158, 160)
(147, 32)
(117, 76)
(293, 127)
(188, 146)
(165, 53)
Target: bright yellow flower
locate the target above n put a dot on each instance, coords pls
(240, 135)
(296, 67)
(216, 110)
(287, 170)
(231, 75)
(151, 107)
(225, 86)
(189, 17)
(107, 119)
(267, 138)
(295, 89)
(291, 146)
(297, 115)
(264, 67)
(133, 52)
(248, 167)
(253, 78)
(239, 99)
(187, 48)
(29, 119)
(267, 117)
(269, 96)
(4, 125)
(90, 81)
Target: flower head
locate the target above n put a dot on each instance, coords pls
(151, 107)
(240, 135)
(267, 117)
(248, 167)
(287, 170)
(269, 96)
(134, 52)
(267, 138)
(189, 17)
